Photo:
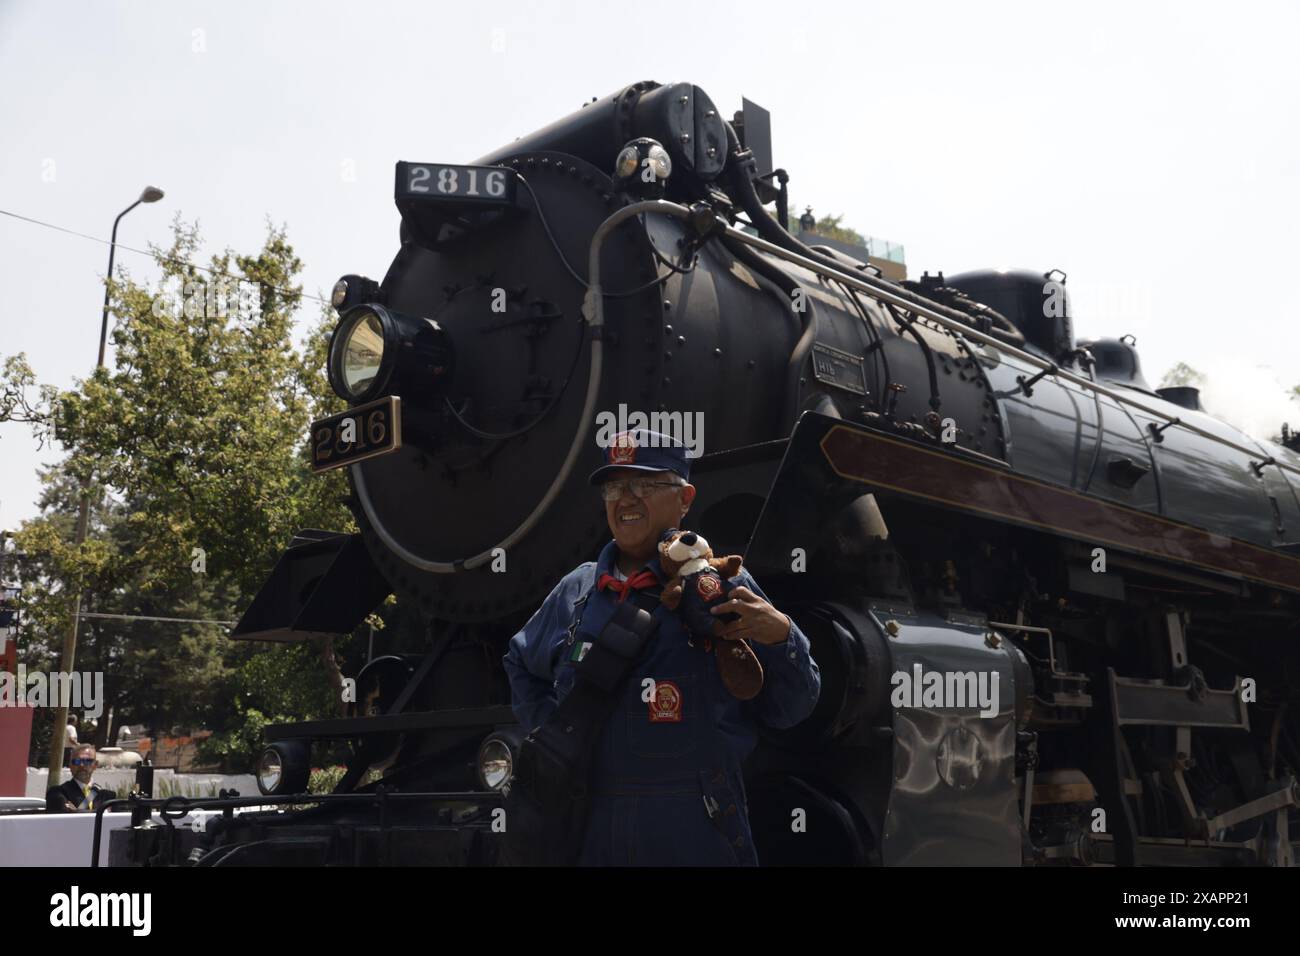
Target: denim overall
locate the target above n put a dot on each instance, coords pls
(667, 788)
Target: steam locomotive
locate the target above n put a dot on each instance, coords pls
(933, 477)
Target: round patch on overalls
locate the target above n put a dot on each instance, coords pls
(708, 586)
(666, 704)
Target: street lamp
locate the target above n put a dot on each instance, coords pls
(150, 194)
(68, 658)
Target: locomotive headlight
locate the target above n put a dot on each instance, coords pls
(284, 767)
(270, 770)
(663, 166)
(340, 294)
(361, 354)
(353, 290)
(496, 758)
(627, 162)
(377, 352)
(643, 167)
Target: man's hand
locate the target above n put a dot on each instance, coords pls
(758, 620)
(68, 804)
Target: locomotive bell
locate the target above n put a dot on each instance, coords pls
(643, 168)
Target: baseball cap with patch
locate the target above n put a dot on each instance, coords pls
(643, 450)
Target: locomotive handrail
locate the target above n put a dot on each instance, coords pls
(1048, 367)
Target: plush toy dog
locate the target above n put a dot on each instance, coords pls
(697, 581)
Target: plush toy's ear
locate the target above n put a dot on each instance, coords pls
(672, 593)
(728, 567)
(670, 566)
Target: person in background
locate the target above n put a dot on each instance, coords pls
(79, 793)
(70, 739)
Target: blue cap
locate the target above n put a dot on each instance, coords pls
(643, 450)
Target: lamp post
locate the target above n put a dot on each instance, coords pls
(67, 660)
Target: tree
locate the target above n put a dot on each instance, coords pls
(831, 227)
(1182, 374)
(194, 443)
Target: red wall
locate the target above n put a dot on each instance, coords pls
(15, 732)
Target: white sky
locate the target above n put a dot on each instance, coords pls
(1150, 150)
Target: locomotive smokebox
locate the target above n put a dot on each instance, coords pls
(478, 329)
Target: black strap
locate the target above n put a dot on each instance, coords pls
(578, 720)
(548, 799)
(570, 732)
(619, 643)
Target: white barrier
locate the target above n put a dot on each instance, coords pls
(66, 839)
(165, 782)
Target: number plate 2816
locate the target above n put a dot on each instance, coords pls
(458, 184)
(359, 433)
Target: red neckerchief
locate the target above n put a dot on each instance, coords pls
(642, 579)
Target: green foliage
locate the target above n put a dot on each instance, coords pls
(193, 444)
(1182, 374)
(325, 779)
(274, 685)
(236, 747)
(830, 226)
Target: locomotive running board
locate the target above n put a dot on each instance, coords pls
(830, 461)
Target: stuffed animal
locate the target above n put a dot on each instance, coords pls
(697, 582)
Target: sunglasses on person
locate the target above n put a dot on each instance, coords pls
(640, 487)
(82, 761)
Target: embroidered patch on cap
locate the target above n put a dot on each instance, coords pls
(666, 704)
(708, 586)
(623, 450)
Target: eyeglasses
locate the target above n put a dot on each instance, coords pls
(641, 487)
(82, 761)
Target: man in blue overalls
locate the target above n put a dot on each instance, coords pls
(666, 777)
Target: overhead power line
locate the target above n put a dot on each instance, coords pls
(145, 252)
(145, 617)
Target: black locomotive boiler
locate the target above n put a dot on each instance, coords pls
(932, 477)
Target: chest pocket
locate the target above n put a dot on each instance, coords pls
(668, 725)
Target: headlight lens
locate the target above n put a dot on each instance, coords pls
(496, 763)
(625, 165)
(340, 294)
(284, 767)
(663, 165)
(363, 352)
(269, 770)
